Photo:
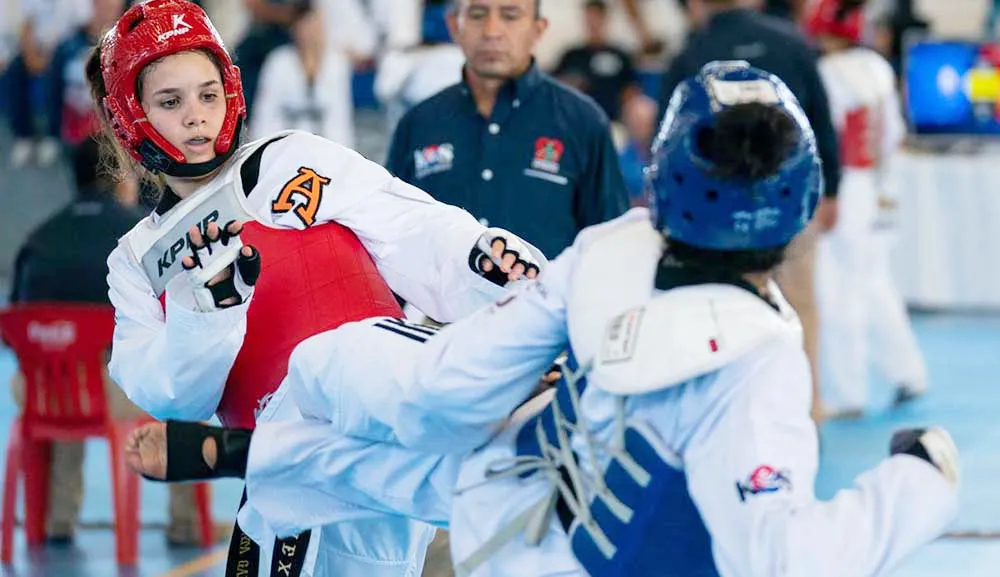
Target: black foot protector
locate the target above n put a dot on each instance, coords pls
(184, 457)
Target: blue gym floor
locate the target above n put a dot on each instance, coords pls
(963, 354)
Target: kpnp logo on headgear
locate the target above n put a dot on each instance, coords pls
(180, 27)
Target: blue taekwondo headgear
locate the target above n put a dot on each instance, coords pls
(694, 204)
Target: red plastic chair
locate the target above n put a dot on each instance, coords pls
(60, 349)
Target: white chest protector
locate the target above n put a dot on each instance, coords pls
(636, 341)
(158, 244)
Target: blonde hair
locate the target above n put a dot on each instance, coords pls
(116, 163)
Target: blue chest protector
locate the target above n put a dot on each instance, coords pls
(658, 532)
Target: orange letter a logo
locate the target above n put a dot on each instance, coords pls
(307, 184)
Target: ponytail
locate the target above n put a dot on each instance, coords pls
(115, 162)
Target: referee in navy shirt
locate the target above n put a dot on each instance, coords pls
(510, 144)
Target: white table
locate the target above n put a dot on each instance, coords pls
(948, 251)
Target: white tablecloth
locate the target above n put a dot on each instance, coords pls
(948, 250)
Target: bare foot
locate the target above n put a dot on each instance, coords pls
(146, 451)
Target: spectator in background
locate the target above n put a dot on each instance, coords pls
(648, 44)
(864, 318)
(71, 116)
(358, 27)
(992, 16)
(305, 85)
(640, 120)
(268, 29)
(408, 76)
(510, 144)
(75, 244)
(788, 9)
(598, 68)
(903, 20)
(736, 30)
(46, 24)
(397, 23)
(10, 26)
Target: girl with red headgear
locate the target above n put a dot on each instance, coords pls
(254, 247)
(856, 293)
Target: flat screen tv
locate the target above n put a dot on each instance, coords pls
(952, 87)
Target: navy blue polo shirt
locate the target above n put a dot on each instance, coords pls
(542, 166)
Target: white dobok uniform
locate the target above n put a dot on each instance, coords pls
(864, 318)
(680, 443)
(173, 360)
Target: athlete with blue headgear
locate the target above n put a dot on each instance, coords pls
(678, 441)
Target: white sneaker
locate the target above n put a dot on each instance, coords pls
(48, 151)
(21, 153)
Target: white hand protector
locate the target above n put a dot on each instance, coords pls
(500, 256)
(219, 255)
(933, 445)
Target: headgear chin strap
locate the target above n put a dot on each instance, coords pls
(154, 159)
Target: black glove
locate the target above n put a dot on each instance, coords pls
(213, 256)
(933, 445)
(525, 263)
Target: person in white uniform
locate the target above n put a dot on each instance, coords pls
(679, 441)
(306, 85)
(254, 247)
(864, 318)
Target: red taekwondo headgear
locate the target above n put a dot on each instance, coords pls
(145, 33)
(833, 18)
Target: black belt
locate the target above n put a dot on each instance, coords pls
(287, 560)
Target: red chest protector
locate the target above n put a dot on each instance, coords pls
(861, 138)
(311, 281)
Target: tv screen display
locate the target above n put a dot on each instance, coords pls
(953, 87)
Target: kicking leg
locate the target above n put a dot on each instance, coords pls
(444, 391)
(301, 474)
(897, 354)
(178, 451)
